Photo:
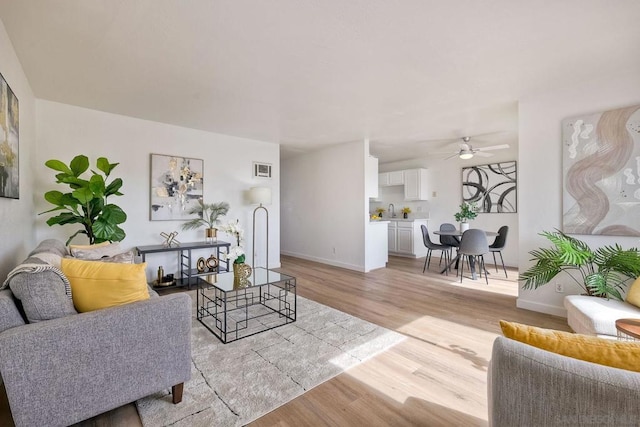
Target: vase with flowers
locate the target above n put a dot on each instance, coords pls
(380, 211)
(405, 212)
(241, 270)
(468, 211)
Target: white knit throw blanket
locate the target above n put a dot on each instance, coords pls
(37, 268)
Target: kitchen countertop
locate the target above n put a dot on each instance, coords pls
(405, 220)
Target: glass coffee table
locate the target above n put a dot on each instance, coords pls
(231, 311)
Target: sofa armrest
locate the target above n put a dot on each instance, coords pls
(530, 386)
(69, 369)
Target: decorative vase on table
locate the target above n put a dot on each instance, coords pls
(464, 226)
(241, 273)
(405, 215)
(211, 235)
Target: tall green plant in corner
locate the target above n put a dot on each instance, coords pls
(86, 202)
(603, 272)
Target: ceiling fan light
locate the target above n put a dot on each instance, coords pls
(466, 154)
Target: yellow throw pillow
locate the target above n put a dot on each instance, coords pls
(617, 354)
(633, 294)
(96, 285)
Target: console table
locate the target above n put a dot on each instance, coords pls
(187, 275)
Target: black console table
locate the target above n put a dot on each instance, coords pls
(187, 275)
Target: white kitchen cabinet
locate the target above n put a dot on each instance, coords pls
(387, 179)
(405, 238)
(415, 185)
(393, 236)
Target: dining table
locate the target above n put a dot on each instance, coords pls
(458, 234)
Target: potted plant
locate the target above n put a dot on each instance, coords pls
(208, 215)
(380, 211)
(86, 202)
(406, 211)
(468, 211)
(603, 272)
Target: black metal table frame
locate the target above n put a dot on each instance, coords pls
(213, 302)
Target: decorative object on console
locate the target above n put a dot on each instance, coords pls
(380, 211)
(100, 219)
(603, 272)
(600, 171)
(170, 239)
(208, 215)
(467, 212)
(260, 196)
(405, 212)
(9, 145)
(212, 263)
(176, 186)
(493, 186)
(201, 265)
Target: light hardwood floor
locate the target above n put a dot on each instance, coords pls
(437, 376)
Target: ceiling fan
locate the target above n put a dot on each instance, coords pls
(467, 151)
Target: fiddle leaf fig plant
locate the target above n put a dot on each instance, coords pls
(85, 202)
(603, 272)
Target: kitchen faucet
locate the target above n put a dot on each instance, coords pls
(392, 210)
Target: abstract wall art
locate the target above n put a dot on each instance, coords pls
(9, 138)
(601, 170)
(492, 187)
(176, 186)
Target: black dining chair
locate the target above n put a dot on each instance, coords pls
(473, 246)
(498, 245)
(444, 250)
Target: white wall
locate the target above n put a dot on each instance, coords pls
(324, 206)
(445, 178)
(540, 164)
(17, 237)
(64, 131)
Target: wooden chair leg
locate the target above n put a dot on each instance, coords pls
(176, 392)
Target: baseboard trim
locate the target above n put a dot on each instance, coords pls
(541, 308)
(325, 261)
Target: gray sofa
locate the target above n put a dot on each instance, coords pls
(528, 386)
(60, 367)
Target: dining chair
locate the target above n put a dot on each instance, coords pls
(444, 250)
(473, 246)
(450, 241)
(498, 245)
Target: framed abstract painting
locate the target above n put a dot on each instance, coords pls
(493, 187)
(9, 142)
(176, 186)
(601, 171)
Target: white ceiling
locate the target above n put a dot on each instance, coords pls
(308, 73)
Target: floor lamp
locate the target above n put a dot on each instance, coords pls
(260, 196)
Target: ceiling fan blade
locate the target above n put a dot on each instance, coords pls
(452, 156)
(493, 147)
(482, 154)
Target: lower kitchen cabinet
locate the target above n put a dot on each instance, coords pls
(405, 238)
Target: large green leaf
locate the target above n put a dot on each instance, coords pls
(79, 165)
(113, 214)
(83, 195)
(112, 189)
(65, 218)
(96, 185)
(54, 197)
(105, 166)
(58, 166)
(103, 230)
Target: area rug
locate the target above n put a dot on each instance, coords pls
(236, 383)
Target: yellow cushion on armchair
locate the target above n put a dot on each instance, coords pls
(617, 354)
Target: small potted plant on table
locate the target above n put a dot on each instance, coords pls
(405, 212)
(468, 211)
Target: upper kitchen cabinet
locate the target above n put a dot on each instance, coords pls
(415, 184)
(371, 182)
(388, 179)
